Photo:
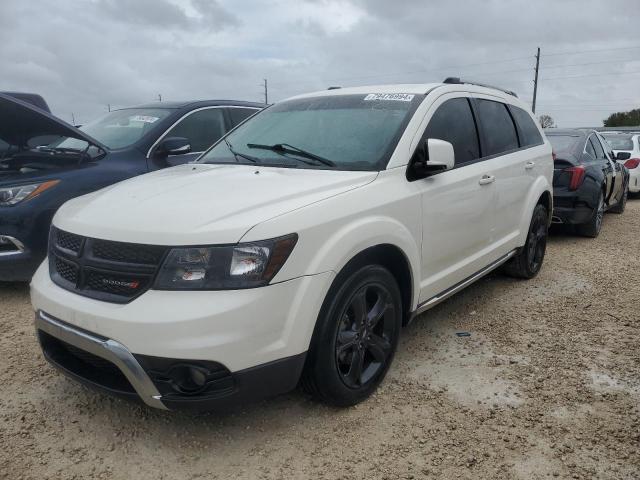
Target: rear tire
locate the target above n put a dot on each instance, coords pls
(528, 261)
(594, 225)
(356, 337)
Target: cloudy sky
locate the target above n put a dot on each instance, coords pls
(84, 54)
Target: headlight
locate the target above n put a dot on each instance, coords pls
(10, 196)
(246, 265)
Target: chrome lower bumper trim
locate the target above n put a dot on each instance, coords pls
(108, 349)
(18, 245)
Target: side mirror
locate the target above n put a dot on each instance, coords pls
(623, 156)
(173, 146)
(437, 156)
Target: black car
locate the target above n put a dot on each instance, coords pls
(587, 181)
(44, 161)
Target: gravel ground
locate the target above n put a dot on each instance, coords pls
(547, 385)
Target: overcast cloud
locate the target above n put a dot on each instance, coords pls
(83, 55)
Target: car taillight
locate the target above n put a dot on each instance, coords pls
(632, 163)
(577, 176)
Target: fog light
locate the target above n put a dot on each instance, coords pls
(10, 244)
(188, 379)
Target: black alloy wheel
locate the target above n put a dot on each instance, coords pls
(356, 336)
(528, 261)
(363, 341)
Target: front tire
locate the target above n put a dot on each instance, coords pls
(356, 337)
(527, 263)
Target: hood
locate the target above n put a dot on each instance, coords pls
(20, 121)
(200, 204)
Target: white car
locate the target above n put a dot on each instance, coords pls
(296, 248)
(626, 147)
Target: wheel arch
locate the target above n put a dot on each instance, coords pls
(541, 193)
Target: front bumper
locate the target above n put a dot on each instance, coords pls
(258, 336)
(31, 230)
(118, 372)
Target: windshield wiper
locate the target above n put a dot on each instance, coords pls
(286, 148)
(238, 154)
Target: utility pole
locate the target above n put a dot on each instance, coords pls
(73, 119)
(266, 93)
(159, 97)
(535, 82)
(108, 107)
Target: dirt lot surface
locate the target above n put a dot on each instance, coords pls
(547, 385)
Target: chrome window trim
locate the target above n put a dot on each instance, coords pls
(155, 144)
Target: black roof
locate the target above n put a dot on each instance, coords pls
(197, 104)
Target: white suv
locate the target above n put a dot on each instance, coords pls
(295, 249)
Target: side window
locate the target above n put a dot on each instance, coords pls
(239, 115)
(529, 133)
(203, 128)
(597, 147)
(590, 149)
(498, 128)
(453, 122)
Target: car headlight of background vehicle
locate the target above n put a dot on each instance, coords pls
(245, 265)
(10, 196)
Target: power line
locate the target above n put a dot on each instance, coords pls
(591, 51)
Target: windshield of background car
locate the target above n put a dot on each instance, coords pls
(619, 142)
(563, 143)
(120, 128)
(354, 132)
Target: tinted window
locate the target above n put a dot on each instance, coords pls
(597, 147)
(590, 149)
(563, 143)
(529, 133)
(239, 115)
(202, 128)
(453, 122)
(498, 128)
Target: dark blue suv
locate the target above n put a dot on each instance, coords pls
(44, 161)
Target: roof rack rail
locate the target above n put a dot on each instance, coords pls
(458, 81)
(334, 88)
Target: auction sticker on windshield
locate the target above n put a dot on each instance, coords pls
(398, 97)
(143, 118)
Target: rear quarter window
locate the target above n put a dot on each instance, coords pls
(529, 133)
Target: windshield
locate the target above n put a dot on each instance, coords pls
(618, 141)
(562, 143)
(120, 128)
(342, 132)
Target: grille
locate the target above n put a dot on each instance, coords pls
(127, 252)
(68, 241)
(66, 270)
(114, 272)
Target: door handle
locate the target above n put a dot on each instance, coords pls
(487, 179)
(529, 165)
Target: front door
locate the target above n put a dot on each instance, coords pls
(457, 205)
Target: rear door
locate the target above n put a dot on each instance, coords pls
(457, 205)
(603, 163)
(514, 169)
(616, 170)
